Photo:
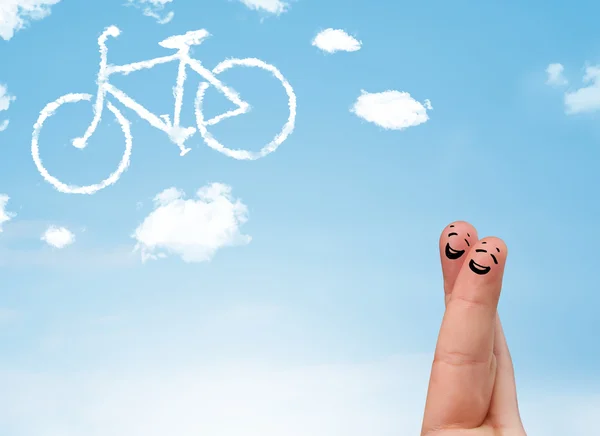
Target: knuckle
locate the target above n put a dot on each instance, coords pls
(457, 358)
(471, 301)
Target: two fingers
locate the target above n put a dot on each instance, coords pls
(472, 379)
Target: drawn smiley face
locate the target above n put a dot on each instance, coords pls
(482, 269)
(452, 253)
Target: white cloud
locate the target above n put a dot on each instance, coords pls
(16, 14)
(555, 75)
(272, 6)
(153, 8)
(5, 100)
(58, 237)
(192, 229)
(4, 214)
(392, 110)
(332, 40)
(585, 99)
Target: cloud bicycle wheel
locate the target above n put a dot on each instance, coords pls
(49, 111)
(277, 140)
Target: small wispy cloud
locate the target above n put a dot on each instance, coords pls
(587, 98)
(333, 40)
(555, 75)
(153, 9)
(4, 214)
(5, 100)
(271, 6)
(58, 237)
(393, 110)
(195, 228)
(17, 14)
(20, 249)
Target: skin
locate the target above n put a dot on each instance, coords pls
(472, 389)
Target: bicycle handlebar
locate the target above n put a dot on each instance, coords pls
(113, 31)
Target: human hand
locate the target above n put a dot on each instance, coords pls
(472, 386)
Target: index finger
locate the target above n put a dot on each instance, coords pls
(456, 240)
(464, 366)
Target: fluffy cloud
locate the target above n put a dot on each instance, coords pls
(585, 99)
(392, 110)
(153, 8)
(16, 14)
(193, 229)
(272, 6)
(58, 237)
(555, 75)
(332, 40)
(5, 100)
(4, 214)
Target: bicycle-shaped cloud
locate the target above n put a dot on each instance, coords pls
(176, 132)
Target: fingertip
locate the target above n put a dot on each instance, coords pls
(496, 246)
(488, 257)
(460, 225)
(456, 239)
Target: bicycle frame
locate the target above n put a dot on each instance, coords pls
(182, 45)
(163, 123)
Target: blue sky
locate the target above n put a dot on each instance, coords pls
(313, 307)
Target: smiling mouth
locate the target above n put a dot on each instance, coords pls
(453, 254)
(479, 269)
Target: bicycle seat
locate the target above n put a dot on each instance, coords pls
(194, 37)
